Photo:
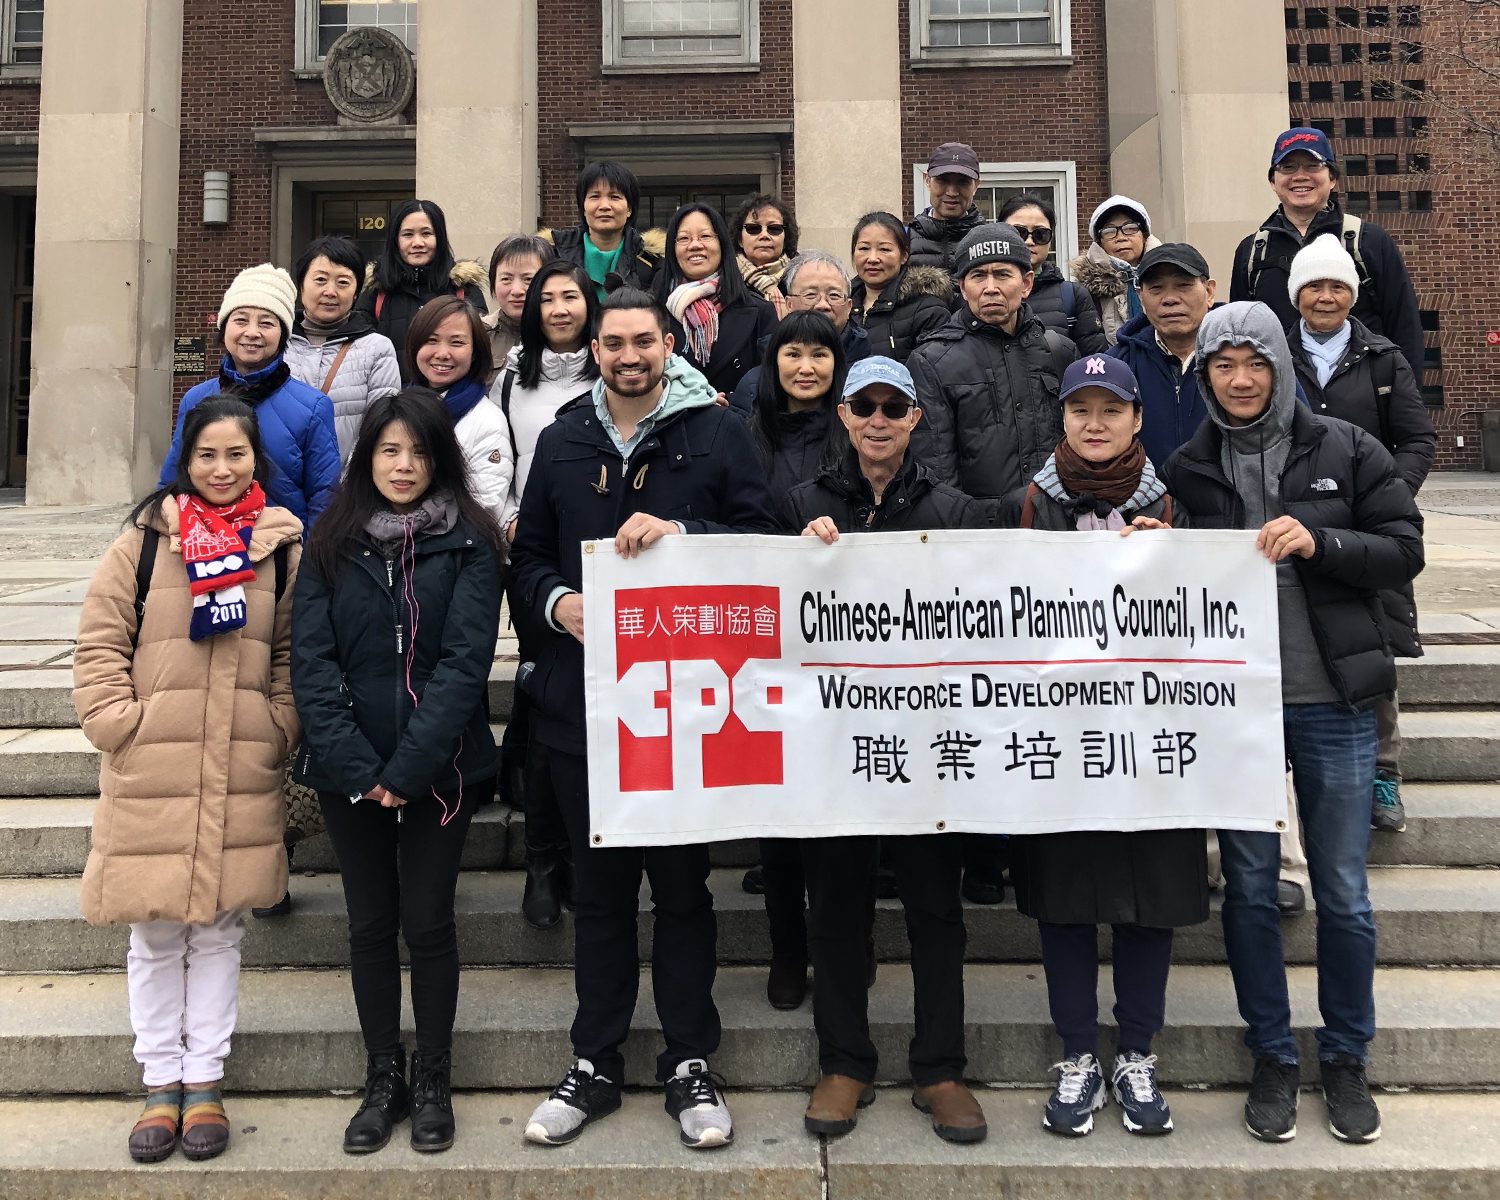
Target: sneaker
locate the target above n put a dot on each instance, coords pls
(695, 1097)
(1142, 1106)
(1387, 813)
(1352, 1115)
(1079, 1094)
(1271, 1107)
(581, 1097)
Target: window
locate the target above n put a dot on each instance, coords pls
(1418, 164)
(323, 22)
(1382, 89)
(360, 216)
(1388, 202)
(1316, 18)
(1350, 52)
(1323, 126)
(969, 30)
(998, 182)
(1411, 52)
(1354, 127)
(1415, 127)
(1433, 396)
(1356, 165)
(660, 201)
(1419, 201)
(1380, 52)
(1432, 358)
(655, 35)
(1347, 17)
(1386, 164)
(1429, 319)
(1409, 15)
(1377, 17)
(21, 27)
(1353, 89)
(1383, 127)
(1357, 202)
(1294, 92)
(1317, 54)
(1293, 57)
(1291, 18)
(1320, 90)
(1415, 88)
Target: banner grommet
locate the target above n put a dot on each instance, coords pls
(942, 825)
(597, 839)
(588, 547)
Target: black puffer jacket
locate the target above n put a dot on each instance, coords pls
(934, 240)
(636, 266)
(914, 499)
(990, 414)
(350, 642)
(1366, 525)
(698, 466)
(391, 312)
(1373, 387)
(802, 453)
(914, 304)
(1067, 308)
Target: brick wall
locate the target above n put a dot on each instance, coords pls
(19, 103)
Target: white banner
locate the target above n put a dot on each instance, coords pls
(902, 683)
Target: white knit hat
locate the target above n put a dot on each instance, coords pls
(1322, 258)
(1115, 202)
(265, 286)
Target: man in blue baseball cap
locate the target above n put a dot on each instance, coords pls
(1304, 175)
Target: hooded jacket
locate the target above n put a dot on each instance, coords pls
(368, 372)
(1334, 478)
(1067, 308)
(298, 433)
(397, 307)
(1172, 408)
(1386, 304)
(1104, 278)
(990, 414)
(856, 346)
(696, 465)
(914, 499)
(915, 303)
(563, 378)
(640, 255)
(194, 735)
(933, 239)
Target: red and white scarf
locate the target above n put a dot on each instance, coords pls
(696, 305)
(216, 552)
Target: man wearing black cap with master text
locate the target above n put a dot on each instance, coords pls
(952, 178)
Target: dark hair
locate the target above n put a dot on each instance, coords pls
(628, 298)
(425, 324)
(1131, 215)
(812, 329)
(622, 179)
(357, 498)
(391, 270)
(228, 405)
(887, 221)
(534, 338)
(752, 206)
(1028, 200)
(340, 251)
(517, 246)
(732, 289)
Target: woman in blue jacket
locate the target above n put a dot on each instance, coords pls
(296, 420)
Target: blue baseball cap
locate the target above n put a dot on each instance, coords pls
(876, 369)
(1314, 141)
(1099, 370)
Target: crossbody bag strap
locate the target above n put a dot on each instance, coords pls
(338, 361)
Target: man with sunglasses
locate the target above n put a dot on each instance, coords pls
(877, 485)
(988, 379)
(1304, 175)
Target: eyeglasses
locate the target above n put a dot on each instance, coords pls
(1041, 235)
(1289, 169)
(812, 295)
(774, 228)
(894, 410)
(1129, 229)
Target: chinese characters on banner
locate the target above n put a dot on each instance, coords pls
(988, 681)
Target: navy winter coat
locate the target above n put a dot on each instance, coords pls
(1171, 406)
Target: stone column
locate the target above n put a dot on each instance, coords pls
(106, 247)
(1197, 95)
(476, 118)
(846, 87)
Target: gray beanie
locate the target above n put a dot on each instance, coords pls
(995, 243)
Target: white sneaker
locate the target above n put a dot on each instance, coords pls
(695, 1097)
(581, 1097)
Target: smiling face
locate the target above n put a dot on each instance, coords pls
(950, 194)
(698, 251)
(401, 467)
(763, 247)
(1175, 302)
(252, 336)
(806, 373)
(1242, 380)
(512, 277)
(445, 358)
(878, 439)
(221, 464)
(1098, 425)
(605, 208)
(1302, 182)
(820, 287)
(877, 256)
(632, 352)
(994, 292)
(1325, 304)
(328, 291)
(564, 313)
(416, 240)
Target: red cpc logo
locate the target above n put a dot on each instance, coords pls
(694, 711)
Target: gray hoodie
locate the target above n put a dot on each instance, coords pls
(1253, 458)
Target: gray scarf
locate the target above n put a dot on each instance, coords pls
(390, 531)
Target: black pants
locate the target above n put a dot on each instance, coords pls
(838, 890)
(399, 876)
(786, 886)
(545, 831)
(606, 971)
(1070, 957)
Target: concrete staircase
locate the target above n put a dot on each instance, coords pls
(65, 1041)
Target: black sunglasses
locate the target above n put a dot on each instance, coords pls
(894, 410)
(1039, 234)
(774, 228)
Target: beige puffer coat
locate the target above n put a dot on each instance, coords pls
(1096, 273)
(195, 736)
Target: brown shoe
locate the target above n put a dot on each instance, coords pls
(205, 1127)
(956, 1115)
(154, 1136)
(786, 987)
(835, 1103)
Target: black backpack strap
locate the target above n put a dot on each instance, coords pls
(506, 383)
(279, 556)
(1070, 302)
(144, 566)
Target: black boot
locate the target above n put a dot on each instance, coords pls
(546, 888)
(384, 1105)
(282, 906)
(431, 1101)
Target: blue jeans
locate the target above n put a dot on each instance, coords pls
(1332, 756)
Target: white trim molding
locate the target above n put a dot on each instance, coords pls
(1060, 176)
(617, 62)
(1056, 50)
(9, 67)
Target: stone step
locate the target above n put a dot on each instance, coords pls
(297, 1030)
(1451, 675)
(1445, 916)
(1447, 824)
(289, 1148)
(1450, 746)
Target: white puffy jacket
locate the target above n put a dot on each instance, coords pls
(368, 372)
(485, 440)
(563, 377)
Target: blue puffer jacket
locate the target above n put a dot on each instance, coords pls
(297, 430)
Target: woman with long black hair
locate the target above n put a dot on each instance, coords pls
(718, 322)
(393, 638)
(415, 266)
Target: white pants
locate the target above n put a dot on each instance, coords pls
(184, 986)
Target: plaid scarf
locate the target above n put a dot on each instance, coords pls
(215, 550)
(695, 304)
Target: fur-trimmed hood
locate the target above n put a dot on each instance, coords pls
(466, 273)
(925, 281)
(1095, 272)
